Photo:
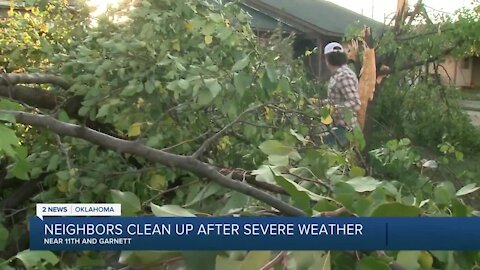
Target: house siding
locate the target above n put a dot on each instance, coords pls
(460, 72)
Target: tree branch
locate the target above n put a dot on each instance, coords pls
(243, 175)
(278, 259)
(167, 159)
(217, 135)
(35, 78)
(35, 97)
(334, 213)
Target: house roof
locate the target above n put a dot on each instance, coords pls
(262, 21)
(315, 15)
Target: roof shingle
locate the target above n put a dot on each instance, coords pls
(322, 14)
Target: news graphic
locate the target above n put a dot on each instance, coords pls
(72, 227)
(78, 209)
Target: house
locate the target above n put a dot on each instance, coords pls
(462, 73)
(314, 22)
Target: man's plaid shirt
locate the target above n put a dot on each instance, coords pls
(343, 94)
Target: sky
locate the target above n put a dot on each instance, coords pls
(376, 9)
(381, 8)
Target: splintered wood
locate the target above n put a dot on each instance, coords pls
(368, 73)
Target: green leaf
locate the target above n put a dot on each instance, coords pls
(9, 139)
(10, 105)
(271, 73)
(357, 172)
(264, 174)
(345, 194)
(332, 171)
(90, 262)
(135, 130)
(395, 209)
(404, 142)
(409, 259)
(103, 111)
(3, 237)
(200, 260)
(470, 188)
(146, 257)
(183, 84)
(273, 147)
(293, 188)
(444, 193)
(255, 260)
(236, 201)
(150, 86)
(32, 258)
(209, 190)
(459, 155)
(304, 259)
(344, 262)
(204, 98)
(20, 169)
(299, 137)
(213, 86)
(215, 17)
(170, 211)
(458, 208)
(322, 261)
(241, 64)
(325, 205)
(298, 194)
(63, 175)
(7, 117)
(278, 160)
(158, 182)
(364, 184)
(284, 85)
(241, 81)
(372, 263)
(222, 263)
(129, 201)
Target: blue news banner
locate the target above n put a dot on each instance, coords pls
(253, 233)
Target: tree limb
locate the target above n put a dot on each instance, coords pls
(217, 135)
(278, 259)
(167, 159)
(243, 175)
(35, 78)
(35, 97)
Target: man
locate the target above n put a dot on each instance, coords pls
(342, 94)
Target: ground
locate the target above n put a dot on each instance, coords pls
(473, 109)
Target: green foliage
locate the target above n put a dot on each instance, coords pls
(45, 28)
(170, 74)
(427, 113)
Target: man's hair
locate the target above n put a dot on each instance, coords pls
(336, 58)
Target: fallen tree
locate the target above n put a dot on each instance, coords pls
(181, 108)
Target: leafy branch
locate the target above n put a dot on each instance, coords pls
(220, 133)
(158, 156)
